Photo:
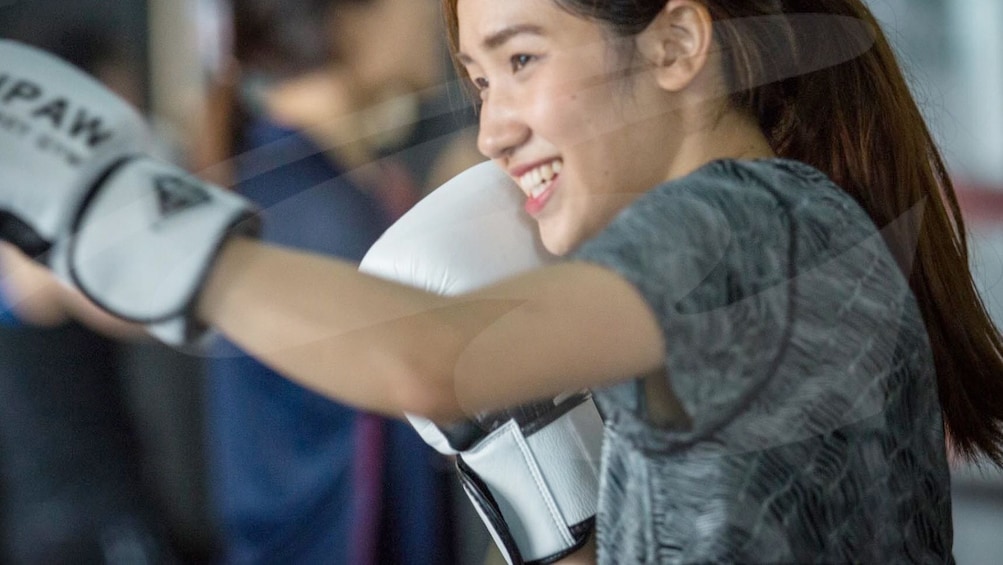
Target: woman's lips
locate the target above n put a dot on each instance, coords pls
(536, 202)
(538, 182)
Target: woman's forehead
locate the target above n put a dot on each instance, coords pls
(479, 18)
(486, 23)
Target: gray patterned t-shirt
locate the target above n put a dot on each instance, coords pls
(813, 430)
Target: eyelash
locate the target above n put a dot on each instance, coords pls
(518, 62)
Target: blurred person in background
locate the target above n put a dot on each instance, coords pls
(340, 117)
(72, 480)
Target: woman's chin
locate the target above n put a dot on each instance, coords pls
(557, 241)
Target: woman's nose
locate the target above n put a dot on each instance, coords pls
(501, 130)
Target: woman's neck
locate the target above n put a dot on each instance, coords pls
(719, 134)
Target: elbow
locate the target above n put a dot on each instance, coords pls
(422, 356)
(422, 380)
(427, 394)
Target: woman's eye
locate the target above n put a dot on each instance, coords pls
(519, 61)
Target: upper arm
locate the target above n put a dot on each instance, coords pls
(563, 328)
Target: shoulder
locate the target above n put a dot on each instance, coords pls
(734, 228)
(738, 187)
(748, 203)
(727, 199)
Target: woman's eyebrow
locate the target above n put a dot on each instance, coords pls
(500, 37)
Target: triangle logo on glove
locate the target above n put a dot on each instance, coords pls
(177, 194)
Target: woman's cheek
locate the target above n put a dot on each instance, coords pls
(564, 119)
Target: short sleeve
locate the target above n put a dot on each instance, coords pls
(796, 347)
(711, 255)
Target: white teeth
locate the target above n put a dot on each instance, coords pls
(547, 171)
(533, 182)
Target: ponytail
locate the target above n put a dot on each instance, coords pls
(858, 122)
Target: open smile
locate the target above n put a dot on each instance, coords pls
(538, 184)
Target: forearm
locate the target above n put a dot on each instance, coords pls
(320, 322)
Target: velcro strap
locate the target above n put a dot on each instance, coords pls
(542, 485)
(145, 238)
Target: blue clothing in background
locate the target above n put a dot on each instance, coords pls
(281, 456)
(8, 318)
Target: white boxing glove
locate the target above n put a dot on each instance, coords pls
(78, 194)
(531, 471)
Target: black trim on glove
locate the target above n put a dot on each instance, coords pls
(17, 232)
(481, 495)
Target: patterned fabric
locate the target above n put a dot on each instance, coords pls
(813, 431)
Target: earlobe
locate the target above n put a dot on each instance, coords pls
(677, 43)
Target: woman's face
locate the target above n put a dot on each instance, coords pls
(560, 115)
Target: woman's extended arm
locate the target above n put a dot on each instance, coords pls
(391, 348)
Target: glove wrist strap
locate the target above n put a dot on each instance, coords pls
(537, 493)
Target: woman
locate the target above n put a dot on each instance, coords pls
(766, 283)
(793, 358)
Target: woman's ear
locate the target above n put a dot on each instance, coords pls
(678, 43)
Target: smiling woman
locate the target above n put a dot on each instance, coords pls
(780, 77)
(765, 307)
(764, 283)
(554, 93)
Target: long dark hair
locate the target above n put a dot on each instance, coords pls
(857, 121)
